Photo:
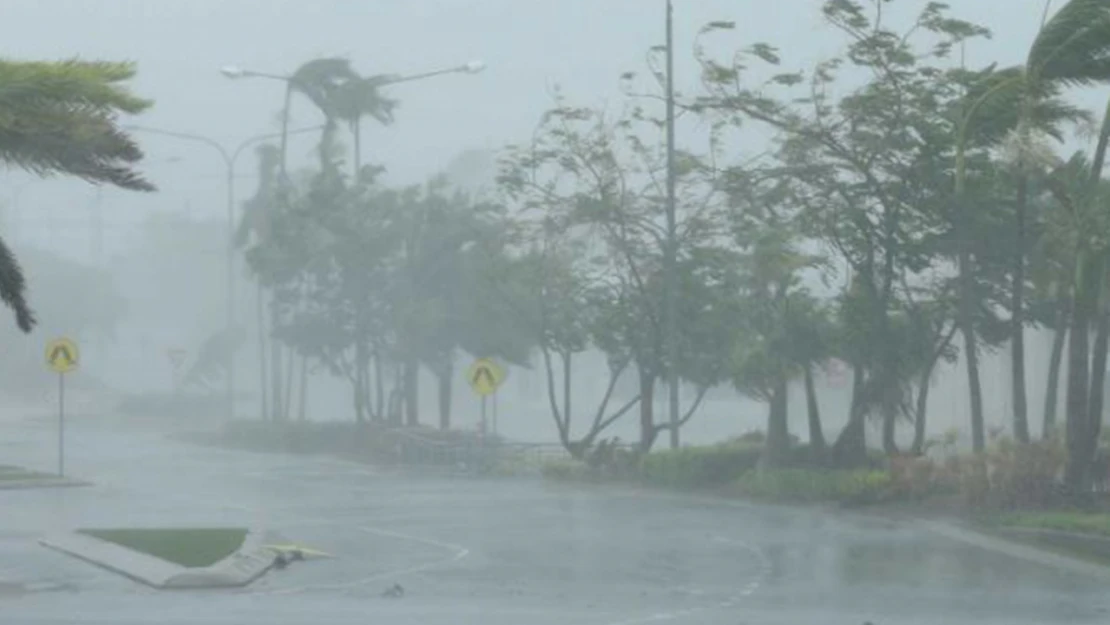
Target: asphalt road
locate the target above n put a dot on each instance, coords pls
(468, 550)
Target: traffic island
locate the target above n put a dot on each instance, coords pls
(174, 558)
(18, 478)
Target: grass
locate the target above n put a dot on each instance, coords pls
(188, 547)
(1077, 522)
(9, 473)
(807, 485)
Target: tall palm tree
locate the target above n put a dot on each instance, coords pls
(60, 118)
(1021, 103)
(359, 98)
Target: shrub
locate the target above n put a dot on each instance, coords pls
(697, 467)
(1007, 475)
(848, 487)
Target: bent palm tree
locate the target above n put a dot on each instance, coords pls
(1018, 104)
(60, 118)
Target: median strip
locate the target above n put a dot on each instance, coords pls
(168, 558)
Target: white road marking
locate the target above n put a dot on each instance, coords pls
(745, 591)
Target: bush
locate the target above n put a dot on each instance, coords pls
(698, 467)
(803, 485)
(1008, 475)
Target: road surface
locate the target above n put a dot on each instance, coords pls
(493, 551)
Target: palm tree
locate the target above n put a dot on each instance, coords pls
(1020, 104)
(60, 118)
(358, 98)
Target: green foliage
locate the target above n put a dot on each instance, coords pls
(804, 485)
(188, 547)
(698, 467)
(61, 118)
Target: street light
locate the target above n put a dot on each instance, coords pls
(235, 72)
(229, 157)
(670, 257)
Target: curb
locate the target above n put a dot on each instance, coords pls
(248, 563)
(251, 561)
(1012, 547)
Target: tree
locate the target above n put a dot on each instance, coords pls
(61, 118)
(1022, 105)
(597, 180)
(869, 170)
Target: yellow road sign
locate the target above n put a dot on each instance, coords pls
(61, 355)
(484, 376)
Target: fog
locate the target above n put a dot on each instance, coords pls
(133, 276)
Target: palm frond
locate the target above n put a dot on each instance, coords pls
(1074, 46)
(13, 288)
(60, 118)
(320, 79)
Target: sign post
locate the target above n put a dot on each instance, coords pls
(61, 357)
(484, 376)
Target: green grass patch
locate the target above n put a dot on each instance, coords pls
(9, 473)
(188, 547)
(1077, 522)
(698, 467)
(808, 485)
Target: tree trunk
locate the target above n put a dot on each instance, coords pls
(647, 410)
(777, 451)
(1052, 384)
(290, 366)
(359, 400)
(965, 313)
(890, 421)
(264, 391)
(275, 370)
(1089, 276)
(920, 411)
(1098, 379)
(850, 448)
(971, 360)
(816, 436)
(395, 405)
(302, 404)
(446, 377)
(412, 391)
(567, 358)
(359, 391)
(379, 388)
(1017, 314)
(362, 376)
(1078, 389)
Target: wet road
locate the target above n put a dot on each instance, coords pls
(494, 551)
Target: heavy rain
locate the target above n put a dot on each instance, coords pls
(599, 312)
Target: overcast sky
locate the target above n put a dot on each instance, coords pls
(528, 45)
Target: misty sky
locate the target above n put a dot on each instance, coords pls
(529, 46)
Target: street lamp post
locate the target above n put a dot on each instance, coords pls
(229, 157)
(670, 255)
